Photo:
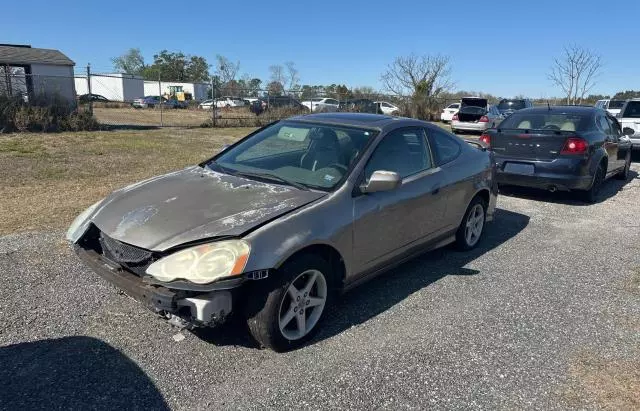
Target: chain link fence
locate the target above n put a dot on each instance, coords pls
(122, 100)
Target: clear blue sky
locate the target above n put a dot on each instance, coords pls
(501, 47)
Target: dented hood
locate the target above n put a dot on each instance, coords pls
(193, 204)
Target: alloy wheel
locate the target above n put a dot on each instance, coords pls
(302, 304)
(474, 225)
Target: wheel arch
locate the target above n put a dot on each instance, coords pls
(328, 252)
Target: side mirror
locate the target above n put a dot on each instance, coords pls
(628, 131)
(382, 181)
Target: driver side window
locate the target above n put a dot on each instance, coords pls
(404, 151)
(616, 130)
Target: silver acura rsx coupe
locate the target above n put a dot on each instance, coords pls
(277, 225)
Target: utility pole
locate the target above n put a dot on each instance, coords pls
(160, 95)
(89, 88)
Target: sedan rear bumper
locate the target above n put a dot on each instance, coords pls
(563, 174)
(470, 126)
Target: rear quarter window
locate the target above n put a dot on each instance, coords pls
(445, 147)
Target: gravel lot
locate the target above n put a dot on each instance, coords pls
(544, 315)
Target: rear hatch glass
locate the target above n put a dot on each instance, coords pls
(511, 105)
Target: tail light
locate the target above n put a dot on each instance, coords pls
(486, 138)
(574, 145)
(484, 119)
(455, 117)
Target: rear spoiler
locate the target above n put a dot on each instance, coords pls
(477, 143)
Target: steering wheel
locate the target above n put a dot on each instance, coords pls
(551, 127)
(339, 166)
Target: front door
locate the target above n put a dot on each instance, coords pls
(388, 223)
(616, 133)
(610, 143)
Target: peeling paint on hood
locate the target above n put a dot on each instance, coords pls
(193, 204)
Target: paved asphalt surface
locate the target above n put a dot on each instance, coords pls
(501, 327)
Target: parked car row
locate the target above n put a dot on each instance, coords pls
(277, 225)
(157, 101)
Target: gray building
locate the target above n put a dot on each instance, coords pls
(25, 70)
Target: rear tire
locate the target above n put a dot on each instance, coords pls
(624, 173)
(471, 228)
(296, 296)
(591, 195)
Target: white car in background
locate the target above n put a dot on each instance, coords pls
(388, 108)
(612, 106)
(206, 105)
(629, 117)
(448, 112)
(321, 104)
(229, 102)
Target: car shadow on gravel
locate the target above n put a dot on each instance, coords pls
(73, 373)
(390, 288)
(610, 188)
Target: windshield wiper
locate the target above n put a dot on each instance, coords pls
(274, 177)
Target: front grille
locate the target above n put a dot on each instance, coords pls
(123, 253)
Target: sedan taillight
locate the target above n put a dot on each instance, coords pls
(484, 119)
(575, 145)
(455, 117)
(486, 138)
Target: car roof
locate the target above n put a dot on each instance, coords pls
(562, 109)
(355, 119)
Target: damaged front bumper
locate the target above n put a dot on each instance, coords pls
(185, 308)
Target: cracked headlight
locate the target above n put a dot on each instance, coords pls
(79, 225)
(204, 263)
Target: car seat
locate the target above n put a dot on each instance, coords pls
(323, 151)
(568, 126)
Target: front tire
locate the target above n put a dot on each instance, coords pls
(472, 226)
(288, 312)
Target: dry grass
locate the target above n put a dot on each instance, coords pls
(47, 179)
(191, 117)
(610, 384)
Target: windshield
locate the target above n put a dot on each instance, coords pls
(616, 104)
(314, 155)
(511, 105)
(546, 121)
(632, 110)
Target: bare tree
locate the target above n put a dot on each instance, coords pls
(423, 78)
(292, 75)
(277, 75)
(226, 70)
(576, 72)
